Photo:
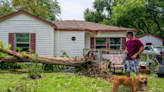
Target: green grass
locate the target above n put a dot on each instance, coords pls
(55, 82)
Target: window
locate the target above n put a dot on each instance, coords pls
(100, 43)
(148, 43)
(115, 43)
(23, 41)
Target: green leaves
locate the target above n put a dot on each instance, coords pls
(101, 11)
(45, 9)
(146, 16)
(143, 15)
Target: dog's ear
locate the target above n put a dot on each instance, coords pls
(139, 74)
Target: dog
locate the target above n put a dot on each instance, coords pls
(132, 83)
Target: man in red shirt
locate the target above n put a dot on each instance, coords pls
(133, 48)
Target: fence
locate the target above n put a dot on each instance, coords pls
(104, 54)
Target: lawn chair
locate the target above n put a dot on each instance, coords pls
(116, 62)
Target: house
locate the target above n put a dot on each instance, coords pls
(150, 39)
(24, 30)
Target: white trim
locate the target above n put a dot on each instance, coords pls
(121, 44)
(52, 41)
(58, 43)
(84, 39)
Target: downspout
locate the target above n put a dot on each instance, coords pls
(58, 43)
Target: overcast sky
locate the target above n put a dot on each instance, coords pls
(74, 9)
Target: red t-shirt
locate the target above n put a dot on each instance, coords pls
(133, 47)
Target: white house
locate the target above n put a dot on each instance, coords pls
(24, 30)
(150, 39)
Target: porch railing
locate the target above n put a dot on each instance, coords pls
(102, 54)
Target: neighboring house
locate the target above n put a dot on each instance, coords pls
(150, 39)
(24, 30)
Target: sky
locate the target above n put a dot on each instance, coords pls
(74, 9)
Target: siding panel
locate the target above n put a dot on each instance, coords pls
(71, 47)
(26, 24)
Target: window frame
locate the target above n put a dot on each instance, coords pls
(116, 44)
(22, 42)
(101, 45)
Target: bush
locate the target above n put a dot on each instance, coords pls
(4, 66)
(48, 67)
(36, 68)
(14, 66)
(78, 69)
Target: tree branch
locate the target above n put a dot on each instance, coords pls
(145, 26)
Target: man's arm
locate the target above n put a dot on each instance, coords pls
(126, 51)
(140, 51)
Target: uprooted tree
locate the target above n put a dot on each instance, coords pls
(19, 57)
(86, 62)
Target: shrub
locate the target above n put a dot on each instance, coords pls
(14, 66)
(36, 68)
(78, 69)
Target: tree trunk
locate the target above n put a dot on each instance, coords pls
(18, 57)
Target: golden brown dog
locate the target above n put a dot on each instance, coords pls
(132, 83)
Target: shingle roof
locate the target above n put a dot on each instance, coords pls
(138, 36)
(74, 24)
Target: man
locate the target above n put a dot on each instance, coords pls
(133, 48)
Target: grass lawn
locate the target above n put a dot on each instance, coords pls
(55, 82)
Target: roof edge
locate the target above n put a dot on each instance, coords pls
(151, 35)
(87, 30)
(23, 12)
(116, 30)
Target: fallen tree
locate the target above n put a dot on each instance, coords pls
(86, 63)
(19, 57)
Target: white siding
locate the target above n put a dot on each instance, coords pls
(103, 34)
(65, 43)
(151, 39)
(25, 24)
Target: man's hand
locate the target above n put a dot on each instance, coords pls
(140, 51)
(134, 56)
(126, 51)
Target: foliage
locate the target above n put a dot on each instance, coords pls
(45, 9)
(51, 68)
(56, 67)
(75, 57)
(146, 16)
(35, 68)
(78, 69)
(101, 11)
(14, 66)
(143, 15)
(94, 16)
(68, 83)
(4, 66)
(2, 45)
(64, 54)
(5, 8)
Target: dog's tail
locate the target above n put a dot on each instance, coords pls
(108, 79)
